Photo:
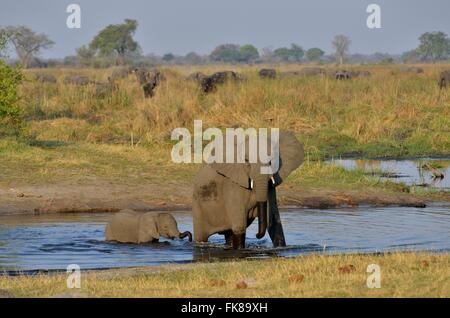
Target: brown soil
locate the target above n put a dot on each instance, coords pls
(102, 196)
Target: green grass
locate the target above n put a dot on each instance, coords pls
(53, 162)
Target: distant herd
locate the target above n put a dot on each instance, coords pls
(149, 79)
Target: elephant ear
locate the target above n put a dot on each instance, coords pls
(291, 153)
(147, 229)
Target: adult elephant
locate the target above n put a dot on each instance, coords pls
(229, 196)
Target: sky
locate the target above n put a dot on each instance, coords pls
(182, 26)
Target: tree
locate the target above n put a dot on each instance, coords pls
(226, 53)
(314, 54)
(27, 43)
(10, 114)
(294, 54)
(116, 39)
(297, 52)
(434, 46)
(283, 53)
(410, 56)
(248, 53)
(168, 57)
(341, 44)
(85, 55)
(3, 43)
(192, 58)
(267, 54)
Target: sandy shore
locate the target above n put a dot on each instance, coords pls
(100, 196)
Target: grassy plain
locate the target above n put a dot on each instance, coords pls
(74, 136)
(402, 275)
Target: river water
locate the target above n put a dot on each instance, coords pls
(410, 172)
(52, 242)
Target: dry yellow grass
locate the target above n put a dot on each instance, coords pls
(402, 275)
(389, 113)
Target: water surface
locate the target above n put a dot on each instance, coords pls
(51, 242)
(410, 172)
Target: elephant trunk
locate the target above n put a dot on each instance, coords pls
(184, 234)
(262, 219)
(261, 189)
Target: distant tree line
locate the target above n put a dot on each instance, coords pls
(115, 45)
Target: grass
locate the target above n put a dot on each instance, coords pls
(73, 133)
(402, 275)
(64, 162)
(384, 115)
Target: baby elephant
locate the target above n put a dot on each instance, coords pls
(129, 226)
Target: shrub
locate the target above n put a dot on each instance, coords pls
(10, 114)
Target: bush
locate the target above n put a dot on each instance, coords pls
(10, 114)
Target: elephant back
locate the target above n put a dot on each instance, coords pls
(123, 227)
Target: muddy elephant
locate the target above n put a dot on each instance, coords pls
(227, 197)
(311, 71)
(45, 78)
(209, 83)
(444, 79)
(105, 89)
(267, 73)
(342, 75)
(121, 72)
(197, 76)
(149, 80)
(411, 69)
(128, 226)
(77, 80)
(361, 73)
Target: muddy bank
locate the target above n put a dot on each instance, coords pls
(107, 197)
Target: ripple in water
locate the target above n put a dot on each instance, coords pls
(53, 242)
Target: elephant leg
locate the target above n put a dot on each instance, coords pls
(200, 233)
(238, 241)
(228, 237)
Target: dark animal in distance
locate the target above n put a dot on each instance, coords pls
(103, 90)
(268, 73)
(342, 75)
(197, 76)
(362, 73)
(149, 80)
(307, 71)
(311, 71)
(409, 69)
(45, 78)
(444, 79)
(209, 83)
(77, 80)
(121, 73)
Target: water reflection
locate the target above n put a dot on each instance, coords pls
(425, 172)
(54, 241)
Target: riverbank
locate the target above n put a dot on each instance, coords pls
(101, 196)
(83, 177)
(402, 275)
(86, 153)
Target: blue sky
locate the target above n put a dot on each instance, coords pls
(181, 26)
